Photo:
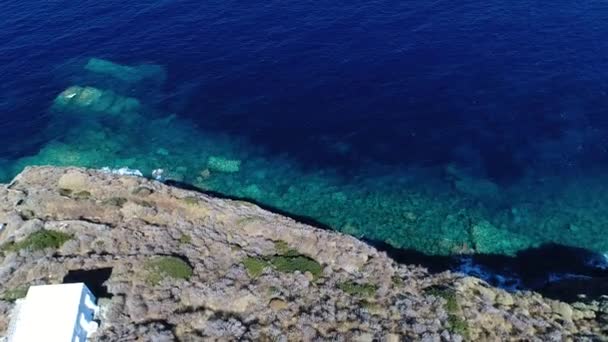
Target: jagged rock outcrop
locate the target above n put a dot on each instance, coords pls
(186, 266)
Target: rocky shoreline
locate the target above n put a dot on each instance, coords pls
(172, 264)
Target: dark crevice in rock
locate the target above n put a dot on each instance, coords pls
(190, 310)
(95, 221)
(115, 256)
(13, 184)
(94, 279)
(89, 255)
(162, 322)
(225, 316)
(152, 224)
(27, 214)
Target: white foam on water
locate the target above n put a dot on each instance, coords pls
(123, 171)
(158, 174)
(600, 261)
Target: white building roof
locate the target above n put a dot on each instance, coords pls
(54, 313)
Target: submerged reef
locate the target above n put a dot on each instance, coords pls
(90, 99)
(131, 74)
(110, 118)
(221, 164)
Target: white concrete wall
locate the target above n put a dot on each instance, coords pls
(56, 313)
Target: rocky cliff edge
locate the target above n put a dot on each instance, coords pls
(170, 264)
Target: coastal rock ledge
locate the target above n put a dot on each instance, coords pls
(170, 264)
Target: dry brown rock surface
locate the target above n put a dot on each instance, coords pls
(180, 265)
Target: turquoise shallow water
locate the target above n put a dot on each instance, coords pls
(111, 119)
(447, 128)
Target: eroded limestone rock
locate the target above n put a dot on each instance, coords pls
(247, 272)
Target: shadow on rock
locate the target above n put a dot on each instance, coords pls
(556, 271)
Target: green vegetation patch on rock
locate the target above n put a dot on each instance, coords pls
(283, 263)
(290, 264)
(282, 248)
(255, 266)
(144, 203)
(12, 295)
(356, 289)
(115, 201)
(163, 267)
(38, 240)
(65, 192)
(142, 191)
(457, 323)
(75, 195)
(81, 195)
(185, 238)
(191, 200)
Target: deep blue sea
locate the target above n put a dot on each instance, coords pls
(471, 127)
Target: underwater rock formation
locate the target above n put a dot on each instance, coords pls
(130, 74)
(105, 121)
(143, 81)
(476, 187)
(221, 164)
(171, 264)
(95, 100)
